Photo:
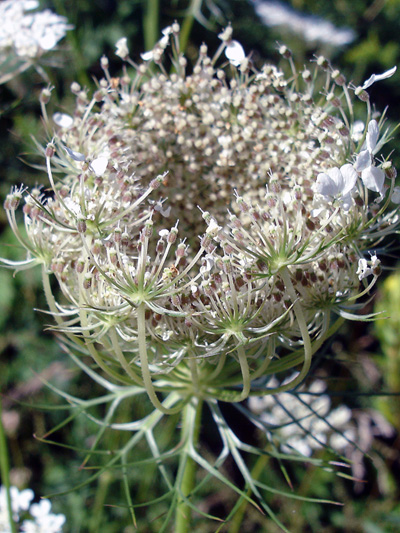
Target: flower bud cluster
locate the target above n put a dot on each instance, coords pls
(273, 198)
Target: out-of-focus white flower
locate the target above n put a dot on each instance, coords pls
(310, 28)
(304, 421)
(337, 183)
(41, 521)
(378, 77)
(63, 120)
(235, 53)
(396, 195)
(372, 177)
(122, 48)
(20, 501)
(357, 131)
(28, 35)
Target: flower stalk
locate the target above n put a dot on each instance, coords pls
(190, 430)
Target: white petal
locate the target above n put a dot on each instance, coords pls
(349, 178)
(363, 161)
(347, 201)
(63, 120)
(396, 195)
(77, 156)
(167, 31)
(122, 48)
(372, 135)
(325, 185)
(99, 165)
(48, 41)
(147, 56)
(28, 5)
(235, 53)
(163, 42)
(336, 176)
(363, 271)
(378, 77)
(373, 178)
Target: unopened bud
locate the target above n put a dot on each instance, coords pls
(87, 282)
(45, 96)
(361, 94)
(50, 150)
(81, 225)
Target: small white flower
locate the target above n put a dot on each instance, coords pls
(122, 50)
(165, 212)
(396, 195)
(76, 156)
(310, 28)
(213, 229)
(209, 261)
(235, 53)
(378, 77)
(366, 268)
(372, 177)
(63, 120)
(147, 56)
(337, 183)
(99, 165)
(357, 130)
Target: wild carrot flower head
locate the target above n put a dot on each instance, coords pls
(26, 35)
(29, 34)
(208, 219)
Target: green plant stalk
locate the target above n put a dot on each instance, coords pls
(183, 510)
(100, 497)
(237, 520)
(151, 16)
(5, 471)
(188, 23)
(73, 40)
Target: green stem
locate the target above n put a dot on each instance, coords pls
(78, 59)
(188, 23)
(5, 471)
(99, 502)
(146, 374)
(307, 347)
(151, 15)
(191, 424)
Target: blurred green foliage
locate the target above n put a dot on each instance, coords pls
(388, 332)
